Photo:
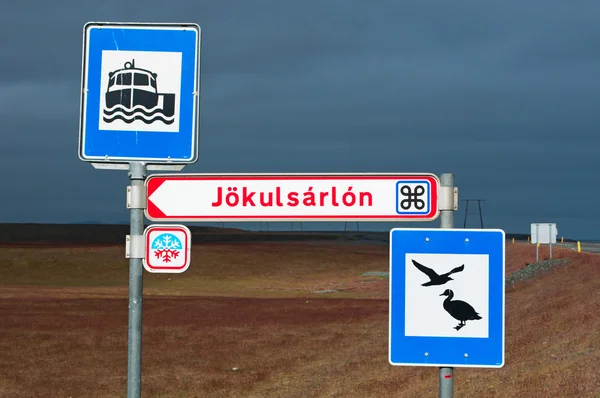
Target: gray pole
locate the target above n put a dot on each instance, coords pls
(137, 173)
(550, 236)
(537, 243)
(447, 221)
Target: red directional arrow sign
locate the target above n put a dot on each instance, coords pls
(292, 197)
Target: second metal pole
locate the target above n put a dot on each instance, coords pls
(550, 238)
(447, 221)
(537, 243)
(137, 173)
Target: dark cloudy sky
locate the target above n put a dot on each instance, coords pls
(505, 95)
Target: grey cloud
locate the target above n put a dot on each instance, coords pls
(502, 94)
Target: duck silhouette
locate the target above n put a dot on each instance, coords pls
(434, 278)
(459, 309)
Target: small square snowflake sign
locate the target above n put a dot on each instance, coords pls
(168, 248)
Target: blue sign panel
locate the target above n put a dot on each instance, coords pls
(140, 93)
(447, 297)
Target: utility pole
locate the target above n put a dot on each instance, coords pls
(478, 208)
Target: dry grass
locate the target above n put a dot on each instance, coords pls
(54, 344)
(234, 269)
(518, 255)
(257, 269)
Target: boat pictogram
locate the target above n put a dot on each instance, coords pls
(132, 94)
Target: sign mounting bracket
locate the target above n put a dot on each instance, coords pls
(448, 198)
(135, 246)
(136, 197)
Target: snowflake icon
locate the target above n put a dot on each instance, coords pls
(166, 247)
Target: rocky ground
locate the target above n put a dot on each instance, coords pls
(532, 270)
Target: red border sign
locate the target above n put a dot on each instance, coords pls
(170, 256)
(292, 197)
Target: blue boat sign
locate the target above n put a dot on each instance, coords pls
(447, 294)
(140, 93)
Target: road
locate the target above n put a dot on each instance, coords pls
(585, 247)
(379, 237)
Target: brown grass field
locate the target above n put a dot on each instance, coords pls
(252, 307)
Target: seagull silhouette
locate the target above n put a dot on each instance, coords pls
(434, 278)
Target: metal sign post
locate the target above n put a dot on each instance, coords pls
(140, 106)
(447, 298)
(427, 264)
(538, 237)
(537, 243)
(447, 221)
(137, 174)
(550, 230)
